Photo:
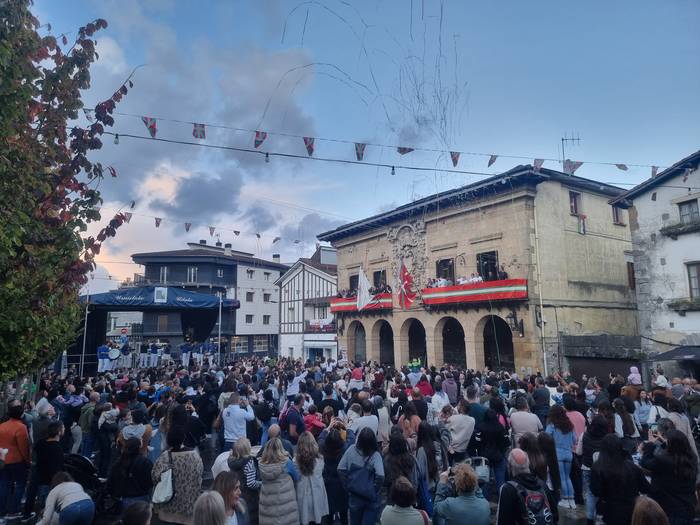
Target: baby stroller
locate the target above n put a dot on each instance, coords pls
(84, 472)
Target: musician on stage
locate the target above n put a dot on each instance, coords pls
(103, 357)
(154, 355)
(144, 355)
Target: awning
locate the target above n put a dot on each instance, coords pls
(156, 297)
(680, 353)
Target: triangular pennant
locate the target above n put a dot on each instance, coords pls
(133, 203)
(151, 125)
(127, 216)
(212, 229)
(537, 164)
(622, 167)
(188, 225)
(112, 171)
(570, 166)
(236, 233)
(686, 174)
(260, 137)
(276, 239)
(492, 159)
(158, 219)
(257, 235)
(360, 150)
(402, 150)
(654, 171)
(199, 131)
(309, 143)
(454, 155)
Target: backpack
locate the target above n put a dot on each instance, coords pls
(283, 422)
(536, 510)
(361, 483)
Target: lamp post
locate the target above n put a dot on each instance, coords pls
(82, 356)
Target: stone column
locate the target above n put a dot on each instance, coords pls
(400, 350)
(430, 350)
(372, 341)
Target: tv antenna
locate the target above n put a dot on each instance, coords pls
(566, 139)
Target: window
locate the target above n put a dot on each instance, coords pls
(354, 281)
(689, 211)
(445, 268)
(162, 323)
(694, 280)
(267, 276)
(241, 344)
(379, 278)
(249, 297)
(163, 274)
(219, 272)
(487, 265)
(630, 276)
(574, 203)
(249, 319)
(259, 343)
(266, 319)
(266, 297)
(192, 274)
(617, 215)
(250, 273)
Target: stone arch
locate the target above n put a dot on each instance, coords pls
(450, 340)
(357, 342)
(496, 343)
(413, 336)
(383, 337)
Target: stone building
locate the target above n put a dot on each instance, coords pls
(565, 251)
(665, 222)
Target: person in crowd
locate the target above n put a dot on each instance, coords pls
(187, 467)
(424, 386)
(14, 437)
(522, 420)
(562, 430)
(476, 409)
(130, 477)
(403, 512)
(67, 503)
(49, 461)
(105, 420)
(311, 491)
(648, 512)
(681, 422)
(398, 461)
(267, 413)
(658, 408)
(138, 513)
(245, 466)
(384, 420)
(367, 420)
(461, 426)
(540, 400)
(292, 421)
(589, 447)
(494, 446)
(420, 404)
(234, 418)
(361, 472)
(541, 465)
(616, 482)
(87, 412)
(457, 497)
(625, 428)
(228, 485)
(408, 421)
(278, 503)
(209, 509)
(642, 407)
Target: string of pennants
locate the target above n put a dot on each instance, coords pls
(199, 131)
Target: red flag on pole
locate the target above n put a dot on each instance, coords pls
(360, 150)
(492, 159)
(188, 225)
(309, 143)
(406, 292)
(454, 155)
(260, 137)
(158, 219)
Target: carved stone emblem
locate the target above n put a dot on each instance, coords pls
(407, 243)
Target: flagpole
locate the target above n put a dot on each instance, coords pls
(82, 356)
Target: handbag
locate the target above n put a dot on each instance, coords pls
(165, 489)
(361, 483)
(481, 468)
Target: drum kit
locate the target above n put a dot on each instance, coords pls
(114, 354)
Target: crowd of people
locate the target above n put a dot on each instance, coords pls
(283, 442)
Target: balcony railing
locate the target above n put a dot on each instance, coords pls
(320, 326)
(685, 304)
(675, 230)
(488, 291)
(382, 301)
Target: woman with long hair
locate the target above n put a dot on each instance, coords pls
(312, 499)
(130, 477)
(538, 461)
(398, 461)
(209, 509)
(648, 512)
(560, 427)
(677, 414)
(494, 444)
(245, 466)
(642, 407)
(228, 484)
(549, 451)
(673, 473)
(67, 503)
(588, 447)
(616, 482)
(625, 428)
(409, 421)
(427, 456)
(333, 446)
(278, 502)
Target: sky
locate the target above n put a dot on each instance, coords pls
(508, 78)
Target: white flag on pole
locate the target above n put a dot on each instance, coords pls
(363, 296)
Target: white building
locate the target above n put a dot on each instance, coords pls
(665, 222)
(307, 327)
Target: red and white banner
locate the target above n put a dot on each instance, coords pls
(151, 125)
(260, 137)
(382, 301)
(360, 150)
(454, 155)
(309, 143)
(476, 292)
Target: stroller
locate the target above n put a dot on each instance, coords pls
(84, 472)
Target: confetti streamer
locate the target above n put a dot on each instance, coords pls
(199, 131)
(686, 174)
(151, 126)
(309, 143)
(360, 150)
(112, 171)
(276, 239)
(454, 155)
(260, 137)
(236, 233)
(257, 235)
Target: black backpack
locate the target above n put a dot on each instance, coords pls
(536, 510)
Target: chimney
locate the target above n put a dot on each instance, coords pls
(276, 257)
(227, 245)
(203, 241)
(218, 244)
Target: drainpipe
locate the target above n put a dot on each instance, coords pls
(539, 289)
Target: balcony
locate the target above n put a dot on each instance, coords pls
(686, 304)
(681, 228)
(382, 301)
(484, 292)
(320, 326)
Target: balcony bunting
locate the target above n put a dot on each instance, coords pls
(158, 219)
(537, 164)
(151, 126)
(402, 150)
(360, 150)
(309, 143)
(454, 155)
(260, 137)
(188, 225)
(364, 298)
(406, 292)
(127, 216)
(622, 167)
(492, 160)
(212, 229)
(570, 166)
(199, 131)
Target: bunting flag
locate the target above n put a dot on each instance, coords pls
(199, 131)
(260, 137)
(454, 155)
(492, 159)
(276, 239)
(309, 143)
(188, 225)
(212, 229)
(158, 219)
(257, 235)
(151, 125)
(133, 203)
(686, 174)
(403, 150)
(112, 171)
(570, 166)
(360, 150)
(537, 164)
(654, 171)
(622, 167)
(407, 293)
(127, 216)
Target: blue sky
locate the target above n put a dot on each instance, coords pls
(505, 77)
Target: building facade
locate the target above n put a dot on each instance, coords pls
(665, 222)
(217, 270)
(551, 253)
(307, 326)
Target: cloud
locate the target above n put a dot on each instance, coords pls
(306, 230)
(260, 217)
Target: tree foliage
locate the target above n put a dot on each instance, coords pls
(48, 187)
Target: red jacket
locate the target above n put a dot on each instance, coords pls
(15, 438)
(425, 388)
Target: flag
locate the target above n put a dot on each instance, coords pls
(158, 219)
(537, 163)
(309, 143)
(654, 171)
(127, 216)
(406, 292)
(454, 155)
(570, 166)
(363, 296)
(257, 235)
(360, 150)
(686, 174)
(492, 159)
(403, 150)
(112, 171)
(151, 125)
(199, 131)
(622, 167)
(188, 225)
(260, 137)
(133, 203)
(236, 233)
(212, 229)
(276, 239)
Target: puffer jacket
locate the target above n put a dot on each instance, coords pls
(278, 497)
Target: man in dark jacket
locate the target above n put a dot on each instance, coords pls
(511, 502)
(540, 401)
(450, 387)
(49, 461)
